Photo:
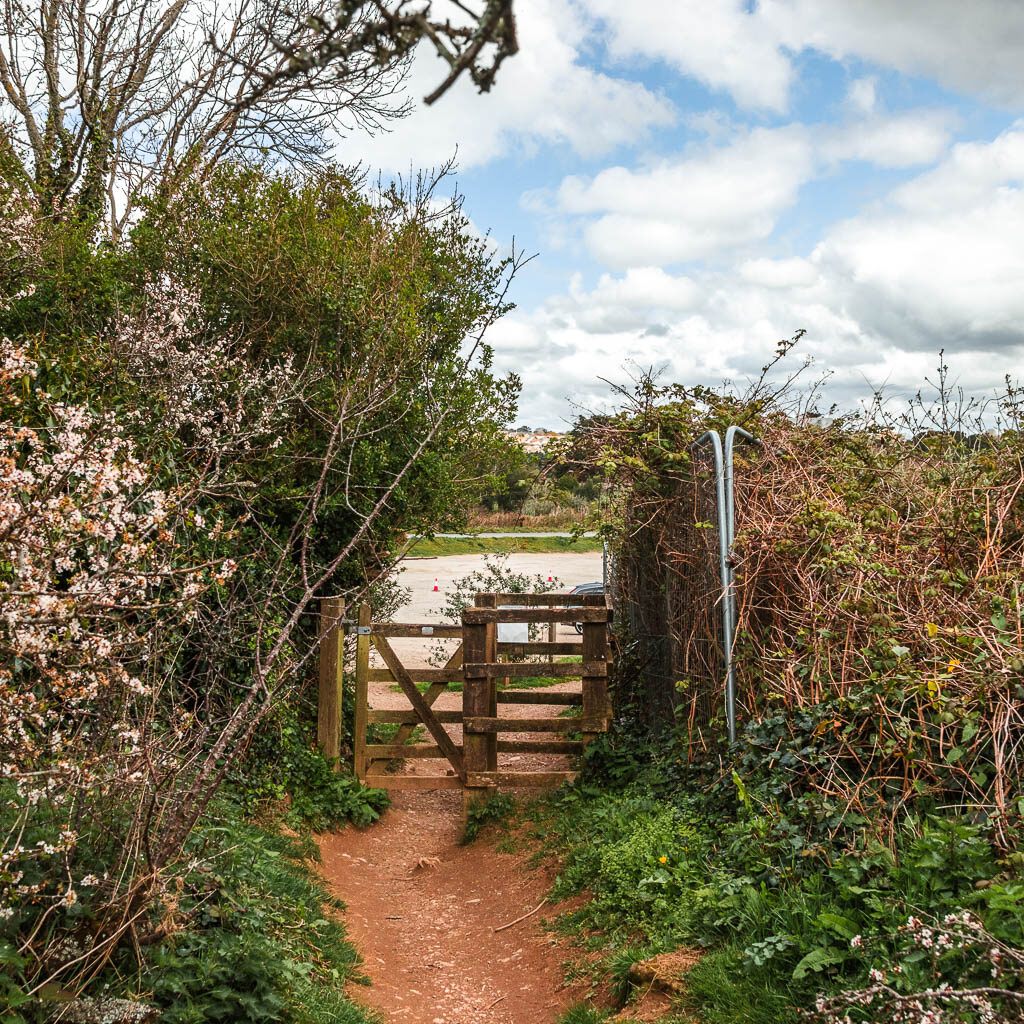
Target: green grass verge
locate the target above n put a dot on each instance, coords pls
(267, 945)
(438, 546)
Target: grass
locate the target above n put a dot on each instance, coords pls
(433, 547)
(583, 1014)
(772, 890)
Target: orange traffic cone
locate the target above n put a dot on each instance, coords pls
(550, 580)
(436, 588)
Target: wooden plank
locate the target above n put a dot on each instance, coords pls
(362, 667)
(539, 600)
(475, 701)
(526, 669)
(410, 717)
(332, 666)
(435, 691)
(540, 747)
(472, 616)
(539, 697)
(420, 706)
(540, 647)
(481, 723)
(390, 751)
(417, 675)
(414, 781)
(435, 629)
(506, 778)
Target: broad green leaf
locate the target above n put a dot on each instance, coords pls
(817, 960)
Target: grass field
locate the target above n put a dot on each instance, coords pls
(433, 547)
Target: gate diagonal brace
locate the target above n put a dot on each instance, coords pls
(435, 691)
(441, 737)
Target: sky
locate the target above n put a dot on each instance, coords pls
(702, 178)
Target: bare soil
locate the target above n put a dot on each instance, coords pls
(423, 912)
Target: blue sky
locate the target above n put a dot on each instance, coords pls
(701, 179)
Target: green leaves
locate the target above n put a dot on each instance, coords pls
(817, 960)
(842, 926)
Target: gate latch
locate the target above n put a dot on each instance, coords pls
(363, 630)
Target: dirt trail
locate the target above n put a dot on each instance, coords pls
(423, 910)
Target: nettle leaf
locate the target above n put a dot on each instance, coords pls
(842, 926)
(817, 960)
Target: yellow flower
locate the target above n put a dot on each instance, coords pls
(954, 664)
(663, 860)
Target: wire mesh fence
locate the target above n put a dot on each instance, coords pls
(667, 593)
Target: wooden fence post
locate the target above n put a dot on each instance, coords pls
(491, 655)
(595, 688)
(332, 667)
(362, 673)
(476, 703)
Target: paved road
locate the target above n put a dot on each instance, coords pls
(568, 568)
(424, 605)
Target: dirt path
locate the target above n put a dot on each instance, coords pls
(423, 910)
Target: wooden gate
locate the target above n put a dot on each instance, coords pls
(481, 700)
(478, 664)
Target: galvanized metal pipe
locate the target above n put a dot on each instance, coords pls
(714, 439)
(729, 596)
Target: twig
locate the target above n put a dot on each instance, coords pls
(501, 928)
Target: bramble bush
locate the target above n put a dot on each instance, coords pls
(878, 566)
(877, 774)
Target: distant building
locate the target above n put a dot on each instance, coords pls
(535, 441)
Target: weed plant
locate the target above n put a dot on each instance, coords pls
(247, 933)
(790, 895)
(497, 810)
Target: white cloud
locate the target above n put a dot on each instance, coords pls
(730, 194)
(779, 273)
(644, 298)
(972, 47)
(942, 260)
(937, 264)
(543, 96)
(899, 140)
(862, 95)
(720, 44)
(693, 207)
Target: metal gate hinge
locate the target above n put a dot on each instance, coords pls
(363, 630)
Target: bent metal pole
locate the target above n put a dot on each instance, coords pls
(725, 498)
(712, 437)
(730, 597)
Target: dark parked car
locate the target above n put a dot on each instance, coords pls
(586, 588)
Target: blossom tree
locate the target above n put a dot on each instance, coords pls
(154, 585)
